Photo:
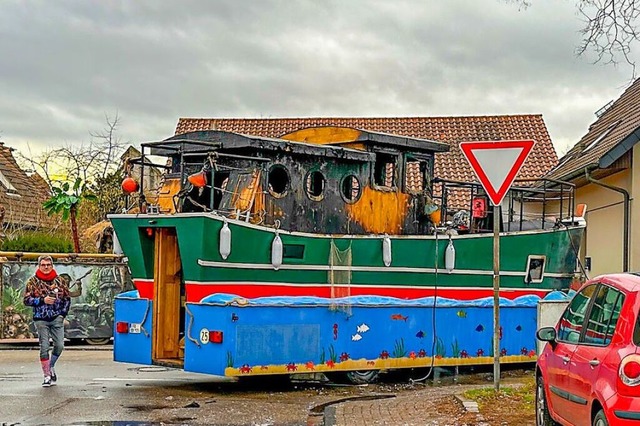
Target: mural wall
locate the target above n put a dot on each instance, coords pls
(93, 287)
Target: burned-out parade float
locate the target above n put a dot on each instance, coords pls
(331, 250)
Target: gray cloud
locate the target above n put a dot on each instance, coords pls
(68, 63)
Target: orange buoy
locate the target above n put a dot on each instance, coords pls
(199, 180)
(129, 185)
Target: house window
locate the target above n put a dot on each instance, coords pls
(601, 137)
(11, 190)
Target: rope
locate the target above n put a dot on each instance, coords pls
(433, 315)
(191, 318)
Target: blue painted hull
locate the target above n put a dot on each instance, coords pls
(231, 336)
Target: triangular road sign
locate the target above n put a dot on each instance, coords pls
(496, 164)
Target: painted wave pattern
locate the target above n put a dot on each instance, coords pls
(522, 301)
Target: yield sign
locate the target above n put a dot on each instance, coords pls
(496, 164)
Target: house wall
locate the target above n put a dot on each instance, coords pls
(634, 264)
(605, 216)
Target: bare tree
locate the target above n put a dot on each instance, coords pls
(96, 163)
(88, 161)
(610, 29)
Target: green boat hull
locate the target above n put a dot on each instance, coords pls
(344, 265)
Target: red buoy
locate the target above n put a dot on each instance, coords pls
(129, 185)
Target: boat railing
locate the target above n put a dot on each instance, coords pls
(529, 204)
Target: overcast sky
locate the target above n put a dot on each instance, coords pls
(66, 64)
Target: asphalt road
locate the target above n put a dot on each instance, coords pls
(94, 390)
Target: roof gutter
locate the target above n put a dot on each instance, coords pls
(576, 174)
(625, 194)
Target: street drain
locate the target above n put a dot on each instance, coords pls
(148, 369)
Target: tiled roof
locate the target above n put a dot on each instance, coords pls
(452, 130)
(21, 195)
(601, 145)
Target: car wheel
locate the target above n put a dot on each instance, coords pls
(353, 377)
(543, 418)
(600, 419)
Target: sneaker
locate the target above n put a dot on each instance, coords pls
(54, 378)
(47, 382)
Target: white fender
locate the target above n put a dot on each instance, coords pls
(225, 241)
(450, 257)
(276, 252)
(117, 248)
(386, 250)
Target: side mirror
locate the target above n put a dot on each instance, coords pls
(547, 334)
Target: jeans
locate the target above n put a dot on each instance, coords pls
(53, 329)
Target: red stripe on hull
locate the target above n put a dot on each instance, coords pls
(196, 292)
(145, 288)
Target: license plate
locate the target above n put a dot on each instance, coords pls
(134, 328)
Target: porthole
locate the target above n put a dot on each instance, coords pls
(350, 189)
(278, 181)
(314, 184)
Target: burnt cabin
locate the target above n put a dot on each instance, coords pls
(322, 179)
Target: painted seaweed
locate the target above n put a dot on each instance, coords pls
(332, 354)
(399, 350)
(229, 359)
(455, 348)
(440, 348)
(322, 355)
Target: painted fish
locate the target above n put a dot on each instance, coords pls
(362, 328)
(335, 331)
(420, 334)
(399, 317)
(356, 337)
(461, 313)
(519, 328)
(480, 327)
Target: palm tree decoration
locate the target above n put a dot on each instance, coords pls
(66, 202)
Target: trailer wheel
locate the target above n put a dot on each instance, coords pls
(353, 377)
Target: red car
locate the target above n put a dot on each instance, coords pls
(589, 370)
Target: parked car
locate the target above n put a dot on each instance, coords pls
(589, 370)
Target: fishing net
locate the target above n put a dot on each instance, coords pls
(340, 277)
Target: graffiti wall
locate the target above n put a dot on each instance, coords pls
(93, 288)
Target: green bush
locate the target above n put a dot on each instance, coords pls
(37, 242)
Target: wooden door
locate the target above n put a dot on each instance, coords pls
(167, 298)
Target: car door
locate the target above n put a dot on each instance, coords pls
(591, 351)
(569, 330)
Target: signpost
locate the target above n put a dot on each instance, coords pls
(496, 165)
